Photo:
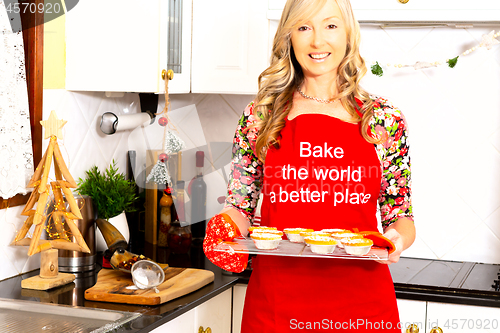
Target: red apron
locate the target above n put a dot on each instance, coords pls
(324, 175)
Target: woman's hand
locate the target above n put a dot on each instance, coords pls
(402, 234)
(394, 236)
(222, 228)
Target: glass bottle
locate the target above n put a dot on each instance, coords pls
(198, 199)
(179, 238)
(179, 233)
(165, 217)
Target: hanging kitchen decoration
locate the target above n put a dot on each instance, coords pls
(488, 41)
(50, 214)
(171, 143)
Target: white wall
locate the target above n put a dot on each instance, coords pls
(453, 116)
(454, 121)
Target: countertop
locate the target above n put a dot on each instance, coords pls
(417, 279)
(152, 316)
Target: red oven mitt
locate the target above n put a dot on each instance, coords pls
(378, 239)
(221, 228)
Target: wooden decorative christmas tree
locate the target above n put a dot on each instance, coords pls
(59, 222)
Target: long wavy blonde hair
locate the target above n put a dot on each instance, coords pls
(279, 81)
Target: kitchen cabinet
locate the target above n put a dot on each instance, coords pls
(214, 313)
(230, 45)
(411, 313)
(458, 318)
(239, 292)
(122, 45)
(415, 10)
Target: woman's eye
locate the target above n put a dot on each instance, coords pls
(304, 28)
(332, 26)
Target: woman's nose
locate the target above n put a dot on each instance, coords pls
(318, 39)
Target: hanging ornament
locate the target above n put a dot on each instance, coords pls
(423, 64)
(377, 70)
(487, 41)
(452, 62)
(159, 174)
(163, 157)
(163, 121)
(173, 144)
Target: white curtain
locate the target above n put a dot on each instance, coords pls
(16, 154)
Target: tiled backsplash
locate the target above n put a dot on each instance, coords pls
(453, 116)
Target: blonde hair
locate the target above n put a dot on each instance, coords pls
(279, 81)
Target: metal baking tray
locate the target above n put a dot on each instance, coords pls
(287, 248)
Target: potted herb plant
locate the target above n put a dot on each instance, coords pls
(113, 195)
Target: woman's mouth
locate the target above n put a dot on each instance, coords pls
(319, 56)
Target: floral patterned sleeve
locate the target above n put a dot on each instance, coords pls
(245, 181)
(395, 194)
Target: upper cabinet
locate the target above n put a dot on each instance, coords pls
(123, 45)
(415, 10)
(230, 45)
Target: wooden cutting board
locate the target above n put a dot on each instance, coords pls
(112, 286)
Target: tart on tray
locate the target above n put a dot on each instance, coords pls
(293, 234)
(321, 244)
(357, 246)
(265, 241)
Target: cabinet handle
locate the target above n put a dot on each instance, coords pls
(167, 74)
(412, 329)
(201, 330)
(436, 330)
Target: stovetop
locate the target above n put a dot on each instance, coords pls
(448, 274)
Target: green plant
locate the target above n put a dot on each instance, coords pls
(110, 191)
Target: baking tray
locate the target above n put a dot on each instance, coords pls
(289, 249)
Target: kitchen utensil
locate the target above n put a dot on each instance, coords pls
(290, 249)
(114, 286)
(147, 274)
(112, 236)
(75, 261)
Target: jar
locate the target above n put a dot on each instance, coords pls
(179, 237)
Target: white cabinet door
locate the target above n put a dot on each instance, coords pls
(458, 318)
(411, 312)
(215, 313)
(184, 323)
(181, 84)
(415, 10)
(120, 45)
(239, 292)
(230, 45)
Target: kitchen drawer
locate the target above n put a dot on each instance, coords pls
(459, 318)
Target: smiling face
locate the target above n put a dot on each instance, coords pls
(320, 42)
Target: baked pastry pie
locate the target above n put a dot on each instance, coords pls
(357, 246)
(313, 233)
(252, 229)
(321, 244)
(265, 241)
(331, 231)
(268, 231)
(293, 234)
(339, 236)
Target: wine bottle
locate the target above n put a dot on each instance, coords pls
(198, 199)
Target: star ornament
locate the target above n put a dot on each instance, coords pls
(489, 40)
(53, 126)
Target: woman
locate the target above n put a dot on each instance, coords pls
(311, 114)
